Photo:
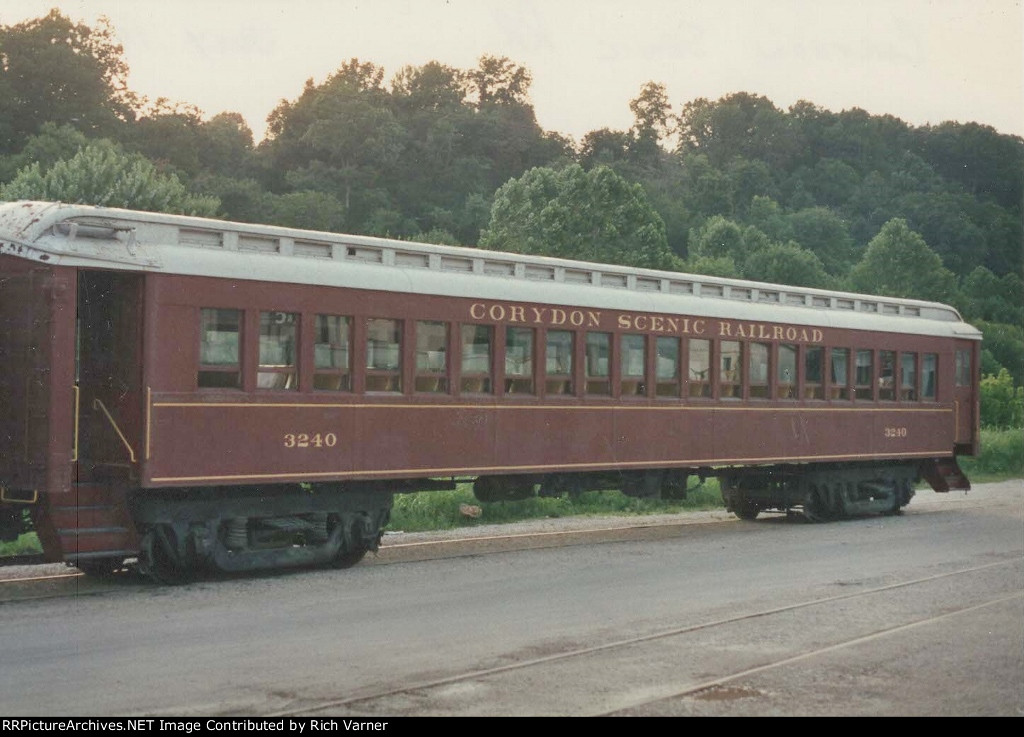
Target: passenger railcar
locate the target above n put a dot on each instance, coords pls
(203, 393)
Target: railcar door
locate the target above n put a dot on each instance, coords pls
(36, 394)
(109, 371)
(965, 401)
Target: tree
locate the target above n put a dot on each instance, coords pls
(591, 215)
(55, 71)
(498, 80)
(898, 263)
(824, 232)
(786, 263)
(102, 174)
(1002, 405)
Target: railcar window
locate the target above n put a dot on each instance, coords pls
(431, 351)
(633, 364)
(865, 373)
(383, 355)
(667, 368)
(887, 375)
(477, 342)
(332, 369)
(814, 360)
(787, 372)
(963, 367)
(558, 362)
(840, 373)
(730, 375)
(220, 333)
(929, 370)
(276, 370)
(519, 360)
(908, 376)
(759, 370)
(599, 349)
(699, 367)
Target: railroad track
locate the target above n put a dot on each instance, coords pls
(565, 673)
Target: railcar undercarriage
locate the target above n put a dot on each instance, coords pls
(184, 532)
(821, 493)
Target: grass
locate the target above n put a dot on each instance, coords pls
(1001, 457)
(441, 510)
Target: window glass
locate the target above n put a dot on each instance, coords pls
(787, 372)
(383, 355)
(599, 349)
(519, 360)
(558, 352)
(219, 349)
(887, 375)
(840, 373)
(929, 372)
(633, 364)
(814, 360)
(278, 331)
(864, 378)
(908, 376)
(730, 375)
(758, 369)
(332, 370)
(431, 351)
(476, 359)
(963, 367)
(699, 367)
(667, 369)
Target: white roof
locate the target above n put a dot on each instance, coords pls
(109, 238)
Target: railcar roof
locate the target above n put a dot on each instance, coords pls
(97, 237)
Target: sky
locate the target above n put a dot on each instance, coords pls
(924, 61)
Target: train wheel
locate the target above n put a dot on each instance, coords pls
(814, 506)
(348, 558)
(746, 510)
(159, 557)
(100, 568)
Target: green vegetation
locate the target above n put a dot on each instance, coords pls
(441, 510)
(26, 544)
(1002, 456)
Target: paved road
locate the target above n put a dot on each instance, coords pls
(920, 614)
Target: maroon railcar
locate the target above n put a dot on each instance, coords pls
(197, 392)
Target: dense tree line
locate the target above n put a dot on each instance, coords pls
(735, 186)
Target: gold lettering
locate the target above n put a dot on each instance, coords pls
(803, 335)
(624, 322)
(497, 313)
(593, 319)
(777, 332)
(516, 313)
(740, 332)
(698, 327)
(557, 316)
(538, 315)
(640, 322)
(724, 330)
(762, 331)
(817, 336)
(673, 325)
(576, 318)
(658, 324)
(790, 333)
(473, 311)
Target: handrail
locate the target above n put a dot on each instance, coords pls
(97, 404)
(78, 401)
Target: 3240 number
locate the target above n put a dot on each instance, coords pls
(310, 440)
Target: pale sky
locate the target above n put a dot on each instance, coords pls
(924, 61)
